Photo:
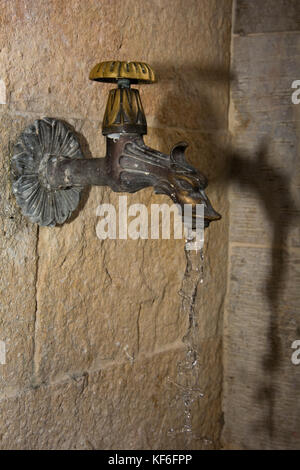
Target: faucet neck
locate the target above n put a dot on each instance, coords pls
(123, 83)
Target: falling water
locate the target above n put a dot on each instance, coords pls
(188, 372)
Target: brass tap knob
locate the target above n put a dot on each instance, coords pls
(113, 71)
(124, 110)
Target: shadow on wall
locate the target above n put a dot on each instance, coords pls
(223, 167)
(273, 189)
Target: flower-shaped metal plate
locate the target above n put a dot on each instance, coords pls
(44, 139)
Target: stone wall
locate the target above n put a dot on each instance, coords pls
(261, 384)
(94, 329)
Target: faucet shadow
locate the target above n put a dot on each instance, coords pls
(273, 190)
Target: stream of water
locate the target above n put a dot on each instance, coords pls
(187, 380)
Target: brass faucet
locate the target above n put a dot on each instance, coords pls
(49, 170)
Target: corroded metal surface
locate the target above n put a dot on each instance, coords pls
(129, 166)
(43, 141)
(140, 166)
(49, 171)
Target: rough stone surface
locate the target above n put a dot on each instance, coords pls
(95, 329)
(268, 16)
(18, 273)
(183, 48)
(127, 406)
(261, 384)
(265, 126)
(260, 375)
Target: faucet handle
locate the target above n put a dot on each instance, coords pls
(116, 71)
(124, 111)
